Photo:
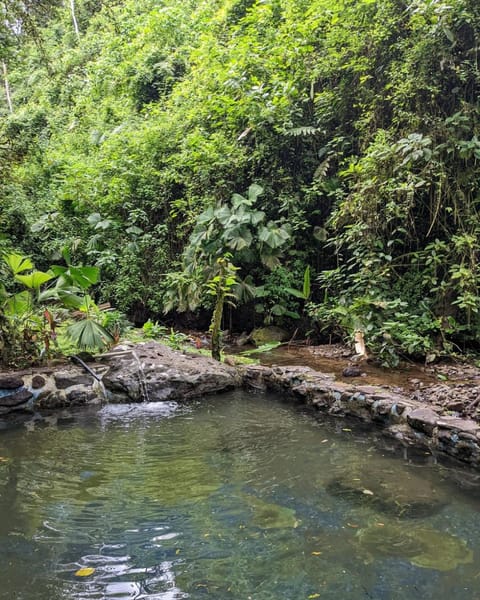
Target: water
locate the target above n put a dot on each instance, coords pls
(237, 497)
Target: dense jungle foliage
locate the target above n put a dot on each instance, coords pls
(201, 150)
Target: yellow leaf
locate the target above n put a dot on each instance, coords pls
(314, 596)
(353, 525)
(316, 553)
(346, 429)
(368, 492)
(177, 551)
(85, 572)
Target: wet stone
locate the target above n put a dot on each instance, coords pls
(423, 419)
(352, 372)
(66, 379)
(80, 395)
(10, 382)
(38, 382)
(15, 399)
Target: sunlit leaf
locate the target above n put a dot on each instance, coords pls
(85, 572)
(34, 280)
(18, 305)
(18, 263)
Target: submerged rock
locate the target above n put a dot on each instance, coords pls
(421, 546)
(384, 490)
(266, 515)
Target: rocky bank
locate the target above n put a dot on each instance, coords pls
(153, 372)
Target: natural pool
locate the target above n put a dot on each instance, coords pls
(235, 497)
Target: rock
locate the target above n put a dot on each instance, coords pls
(38, 382)
(15, 399)
(10, 382)
(153, 372)
(242, 339)
(352, 371)
(67, 378)
(267, 335)
(456, 424)
(405, 495)
(423, 419)
(51, 399)
(455, 406)
(80, 394)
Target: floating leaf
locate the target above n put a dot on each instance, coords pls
(85, 572)
(313, 596)
(368, 492)
(316, 553)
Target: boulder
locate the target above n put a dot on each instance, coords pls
(10, 382)
(153, 372)
(267, 335)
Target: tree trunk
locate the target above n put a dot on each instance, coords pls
(7, 87)
(74, 18)
(216, 324)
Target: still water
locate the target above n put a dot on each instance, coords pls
(236, 497)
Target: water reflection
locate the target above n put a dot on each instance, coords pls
(237, 496)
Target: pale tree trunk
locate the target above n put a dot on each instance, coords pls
(7, 87)
(74, 18)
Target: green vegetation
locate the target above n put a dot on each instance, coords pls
(130, 130)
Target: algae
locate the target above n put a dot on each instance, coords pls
(421, 546)
(266, 515)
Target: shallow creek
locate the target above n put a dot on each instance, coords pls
(236, 497)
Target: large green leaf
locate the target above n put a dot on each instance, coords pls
(296, 293)
(35, 279)
(239, 238)
(18, 263)
(18, 305)
(88, 334)
(273, 235)
(238, 200)
(223, 215)
(254, 191)
(85, 276)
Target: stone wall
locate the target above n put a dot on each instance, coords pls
(398, 416)
(152, 372)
